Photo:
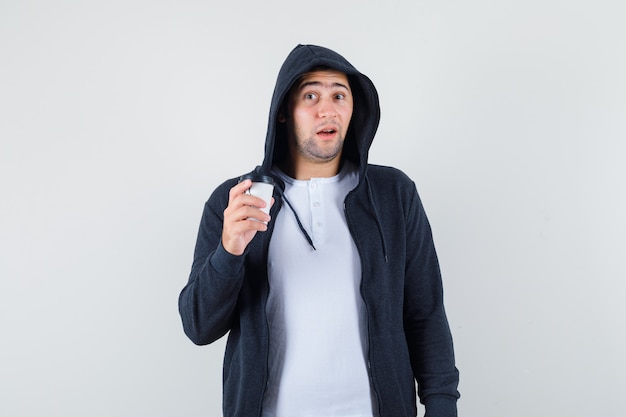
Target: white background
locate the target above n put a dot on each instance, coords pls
(118, 119)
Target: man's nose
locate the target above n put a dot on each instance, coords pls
(326, 108)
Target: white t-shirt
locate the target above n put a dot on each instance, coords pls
(318, 334)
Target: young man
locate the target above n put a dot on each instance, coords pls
(334, 301)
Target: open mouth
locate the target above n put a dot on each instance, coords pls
(328, 132)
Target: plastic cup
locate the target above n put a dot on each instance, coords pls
(262, 187)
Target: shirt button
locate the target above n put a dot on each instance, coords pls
(316, 204)
(313, 185)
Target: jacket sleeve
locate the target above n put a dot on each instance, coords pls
(426, 326)
(208, 303)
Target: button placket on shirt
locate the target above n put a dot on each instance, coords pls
(317, 213)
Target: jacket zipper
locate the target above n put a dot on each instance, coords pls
(367, 311)
(266, 246)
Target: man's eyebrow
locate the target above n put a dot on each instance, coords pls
(319, 83)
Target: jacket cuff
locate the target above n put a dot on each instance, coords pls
(226, 263)
(440, 406)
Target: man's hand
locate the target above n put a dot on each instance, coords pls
(242, 218)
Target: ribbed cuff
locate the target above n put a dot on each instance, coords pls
(440, 406)
(226, 263)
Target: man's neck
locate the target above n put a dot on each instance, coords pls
(305, 170)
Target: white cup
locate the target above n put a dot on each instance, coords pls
(262, 187)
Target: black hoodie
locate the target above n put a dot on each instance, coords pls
(408, 333)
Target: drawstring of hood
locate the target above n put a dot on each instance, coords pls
(379, 225)
(302, 229)
(279, 186)
(372, 201)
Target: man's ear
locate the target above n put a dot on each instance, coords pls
(283, 111)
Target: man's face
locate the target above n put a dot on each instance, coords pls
(319, 110)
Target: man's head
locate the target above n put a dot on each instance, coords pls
(317, 114)
(287, 132)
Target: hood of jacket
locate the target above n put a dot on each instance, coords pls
(365, 115)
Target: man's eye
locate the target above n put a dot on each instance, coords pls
(340, 96)
(310, 96)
